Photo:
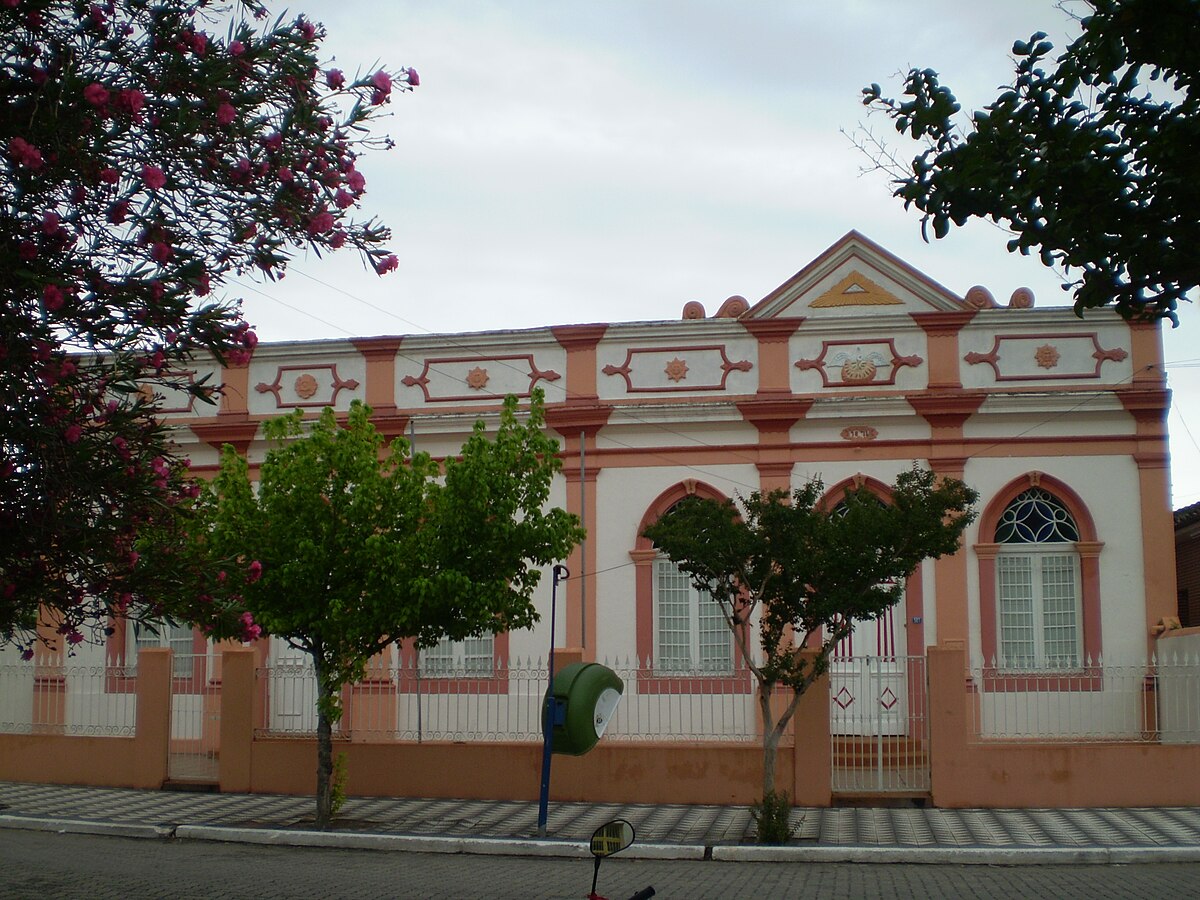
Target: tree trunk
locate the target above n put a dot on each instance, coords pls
(770, 739)
(324, 754)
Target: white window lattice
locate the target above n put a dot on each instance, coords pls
(160, 634)
(1038, 584)
(690, 634)
(471, 657)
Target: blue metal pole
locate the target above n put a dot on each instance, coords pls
(560, 572)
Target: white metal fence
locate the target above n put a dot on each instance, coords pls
(1155, 701)
(85, 700)
(878, 724)
(407, 704)
(195, 719)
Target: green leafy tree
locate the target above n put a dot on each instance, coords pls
(348, 546)
(803, 573)
(1089, 159)
(149, 151)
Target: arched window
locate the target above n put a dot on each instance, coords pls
(679, 631)
(690, 634)
(1039, 580)
(1038, 584)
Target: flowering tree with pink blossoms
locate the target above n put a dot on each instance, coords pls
(148, 152)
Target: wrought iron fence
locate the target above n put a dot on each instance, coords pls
(83, 700)
(407, 703)
(1152, 701)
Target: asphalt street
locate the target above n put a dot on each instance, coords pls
(43, 866)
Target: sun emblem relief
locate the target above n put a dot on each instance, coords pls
(1047, 356)
(676, 369)
(305, 386)
(477, 379)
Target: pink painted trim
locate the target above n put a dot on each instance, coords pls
(727, 366)
(1088, 548)
(422, 380)
(339, 384)
(992, 357)
(897, 363)
(643, 556)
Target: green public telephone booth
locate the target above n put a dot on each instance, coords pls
(584, 698)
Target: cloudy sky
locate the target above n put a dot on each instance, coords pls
(570, 161)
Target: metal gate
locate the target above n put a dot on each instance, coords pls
(195, 719)
(878, 725)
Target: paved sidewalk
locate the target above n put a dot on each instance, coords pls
(992, 836)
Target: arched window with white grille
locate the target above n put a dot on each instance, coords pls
(1038, 584)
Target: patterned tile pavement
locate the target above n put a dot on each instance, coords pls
(656, 824)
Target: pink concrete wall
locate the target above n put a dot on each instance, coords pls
(1047, 775)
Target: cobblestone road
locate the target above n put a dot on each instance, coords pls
(47, 866)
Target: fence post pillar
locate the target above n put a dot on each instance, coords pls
(948, 725)
(152, 734)
(812, 755)
(237, 719)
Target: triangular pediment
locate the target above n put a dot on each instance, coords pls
(855, 277)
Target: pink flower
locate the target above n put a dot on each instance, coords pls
(74, 637)
(153, 177)
(50, 222)
(355, 181)
(253, 574)
(96, 94)
(52, 296)
(131, 101)
(27, 251)
(250, 340)
(383, 87)
(109, 175)
(284, 174)
(335, 78)
(337, 239)
(199, 43)
(307, 30)
(118, 211)
(320, 223)
(72, 434)
(225, 114)
(413, 78)
(161, 252)
(388, 264)
(237, 48)
(24, 153)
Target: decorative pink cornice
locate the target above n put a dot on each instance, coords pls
(1148, 407)
(943, 324)
(373, 348)
(946, 410)
(769, 331)
(570, 419)
(238, 432)
(578, 337)
(775, 415)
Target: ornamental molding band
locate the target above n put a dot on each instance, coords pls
(858, 363)
(442, 378)
(1038, 357)
(856, 289)
(665, 369)
(298, 390)
(174, 400)
(859, 433)
(980, 297)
